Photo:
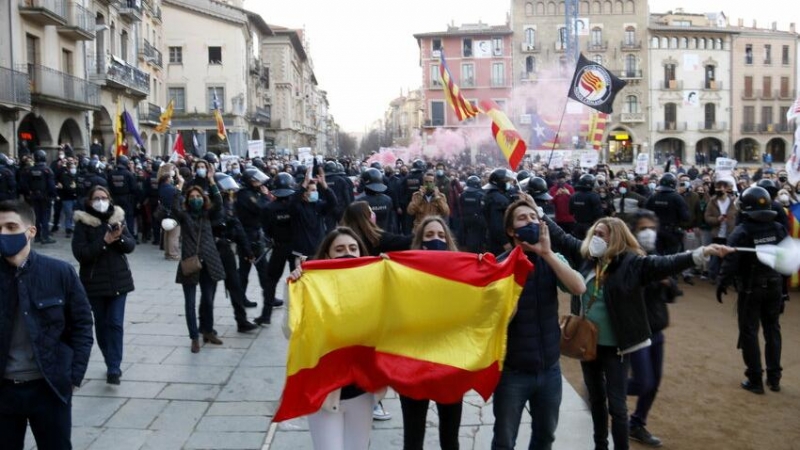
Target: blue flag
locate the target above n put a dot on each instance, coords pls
(130, 128)
(542, 135)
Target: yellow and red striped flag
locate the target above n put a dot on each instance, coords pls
(597, 129)
(463, 108)
(508, 138)
(119, 132)
(165, 118)
(428, 324)
(222, 133)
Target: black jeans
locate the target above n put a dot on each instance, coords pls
(414, 419)
(232, 283)
(34, 402)
(606, 380)
(761, 305)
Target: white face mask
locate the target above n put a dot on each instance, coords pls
(100, 206)
(647, 239)
(783, 198)
(597, 247)
(623, 191)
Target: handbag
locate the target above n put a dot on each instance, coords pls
(579, 334)
(193, 264)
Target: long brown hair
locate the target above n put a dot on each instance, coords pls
(419, 232)
(324, 246)
(206, 201)
(357, 217)
(620, 239)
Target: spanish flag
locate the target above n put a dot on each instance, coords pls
(429, 324)
(463, 108)
(165, 118)
(507, 137)
(222, 133)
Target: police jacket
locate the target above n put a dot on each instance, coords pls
(471, 205)
(586, 207)
(669, 207)
(342, 187)
(8, 184)
(38, 182)
(278, 222)
(411, 183)
(167, 193)
(494, 207)
(58, 319)
(309, 226)
(382, 206)
(104, 268)
(388, 242)
(250, 208)
(91, 181)
(739, 267)
(151, 187)
(228, 229)
(122, 185)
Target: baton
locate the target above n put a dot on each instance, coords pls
(262, 255)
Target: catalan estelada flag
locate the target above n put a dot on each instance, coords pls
(507, 137)
(597, 129)
(462, 107)
(429, 324)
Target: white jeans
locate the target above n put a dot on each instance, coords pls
(346, 429)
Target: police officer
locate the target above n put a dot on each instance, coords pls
(124, 191)
(251, 205)
(772, 188)
(671, 210)
(8, 182)
(342, 187)
(494, 208)
(536, 187)
(151, 194)
(277, 226)
(94, 177)
(759, 289)
(380, 203)
(412, 183)
(472, 232)
(585, 205)
(39, 188)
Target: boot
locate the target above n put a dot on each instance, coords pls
(269, 298)
(195, 346)
(211, 338)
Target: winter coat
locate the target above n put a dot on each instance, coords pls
(193, 226)
(104, 267)
(712, 215)
(420, 207)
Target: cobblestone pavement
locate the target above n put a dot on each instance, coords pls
(225, 396)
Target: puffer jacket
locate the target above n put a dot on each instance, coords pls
(194, 228)
(104, 267)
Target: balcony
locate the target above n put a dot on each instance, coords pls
(560, 47)
(527, 76)
(785, 94)
(712, 85)
(748, 94)
(749, 128)
(80, 23)
(630, 74)
(150, 54)
(597, 46)
(130, 10)
(15, 89)
(44, 12)
(671, 85)
(149, 113)
(60, 89)
(120, 75)
(632, 117)
(765, 94)
(526, 47)
(669, 127)
(261, 116)
(630, 46)
(712, 126)
(783, 128)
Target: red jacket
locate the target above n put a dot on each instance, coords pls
(561, 203)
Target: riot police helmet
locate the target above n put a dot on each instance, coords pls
(39, 156)
(473, 182)
(226, 182)
(283, 185)
(586, 182)
(376, 165)
(94, 166)
(418, 165)
(499, 177)
(769, 186)
(523, 175)
(4, 160)
(254, 175)
(668, 182)
(339, 168)
(212, 158)
(372, 179)
(123, 160)
(329, 167)
(756, 204)
(537, 188)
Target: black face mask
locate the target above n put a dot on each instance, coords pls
(434, 244)
(345, 257)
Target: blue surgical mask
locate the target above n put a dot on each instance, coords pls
(201, 173)
(236, 171)
(528, 233)
(434, 244)
(313, 197)
(440, 173)
(12, 244)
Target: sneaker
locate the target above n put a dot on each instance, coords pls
(113, 378)
(640, 434)
(378, 413)
(747, 385)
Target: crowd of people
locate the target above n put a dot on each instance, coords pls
(619, 242)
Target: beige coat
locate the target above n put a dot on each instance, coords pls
(420, 207)
(712, 216)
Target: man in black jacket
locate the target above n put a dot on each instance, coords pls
(586, 205)
(45, 336)
(310, 204)
(671, 210)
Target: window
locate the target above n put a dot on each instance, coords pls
(749, 117)
(766, 116)
(684, 42)
(670, 116)
(748, 54)
(436, 78)
(631, 104)
(437, 113)
(748, 86)
(562, 38)
(711, 77)
(598, 59)
(467, 46)
(530, 37)
(214, 55)
(766, 85)
(468, 75)
(710, 116)
(176, 55)
(767, 54)
(498, 74)
(123, 45)
(530, 65)
(654, 42)
(630, 65)
(436, 45)
(216, 98)
(597, 37)
(630, 36)
(785, 55)
(178, 95)
(497, 46)
(784, 93)
(66, 61)
(669, 75)
(673, 42)
(782, 118)
(528, 9)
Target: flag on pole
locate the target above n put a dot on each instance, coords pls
(594, 86)
(166, 118)
(507, 137)
(195, 143)
(434, 328)
(794, 111)
(178, 151)
(597, 128)
(221, 132)
(119, 132)
(463, 108)
(130, 128)
(542, 135)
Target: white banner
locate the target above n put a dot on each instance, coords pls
(482, 49)
(557, 162)
(642, 164)
(724, 167)
(589, 159)
(305, 157)
(255, 149)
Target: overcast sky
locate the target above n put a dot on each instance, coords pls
(364, 51)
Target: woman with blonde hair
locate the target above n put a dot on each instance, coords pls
(170, 184)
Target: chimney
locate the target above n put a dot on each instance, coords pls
(792, 27)
(741, 23)
(774, 26)
(755, 24)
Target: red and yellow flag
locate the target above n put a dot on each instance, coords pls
(463, 108)
(429, 324)
(597, 128)
(165, 118)
(119, 132)
(507, 137)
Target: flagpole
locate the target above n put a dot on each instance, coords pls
(555, 141)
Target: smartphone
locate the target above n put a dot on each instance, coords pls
(114, 227)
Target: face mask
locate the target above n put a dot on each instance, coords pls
(201, 173)
(784, 198)
(12, 244)
(721, 193)
(172, 174)
(440, 173)
(647, 239)
(345, 257)
(73, 171)
(652, 186)
(196, 204)
(100, 206)
(782, 179)
(236, 171)
(597, 247)
(60, 156)
(603, 195)
(429, 187)
(508, 186)
(623, 191)
(434, 244)
(313, 197)
(528, 233)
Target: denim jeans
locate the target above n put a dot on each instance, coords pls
(414, 420)
(207, 289)
(647, 366)
(606, 381)
(36, 403)
(68, 208)
(109, 316)
(542, 391)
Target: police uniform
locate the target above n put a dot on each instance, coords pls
(251, 205)
(277, 224)
(382, 206)
(39, 188)
(8, 184)
(124, 189)
(586, 206)
(473, 224)
(495, 204)
(671, 210)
